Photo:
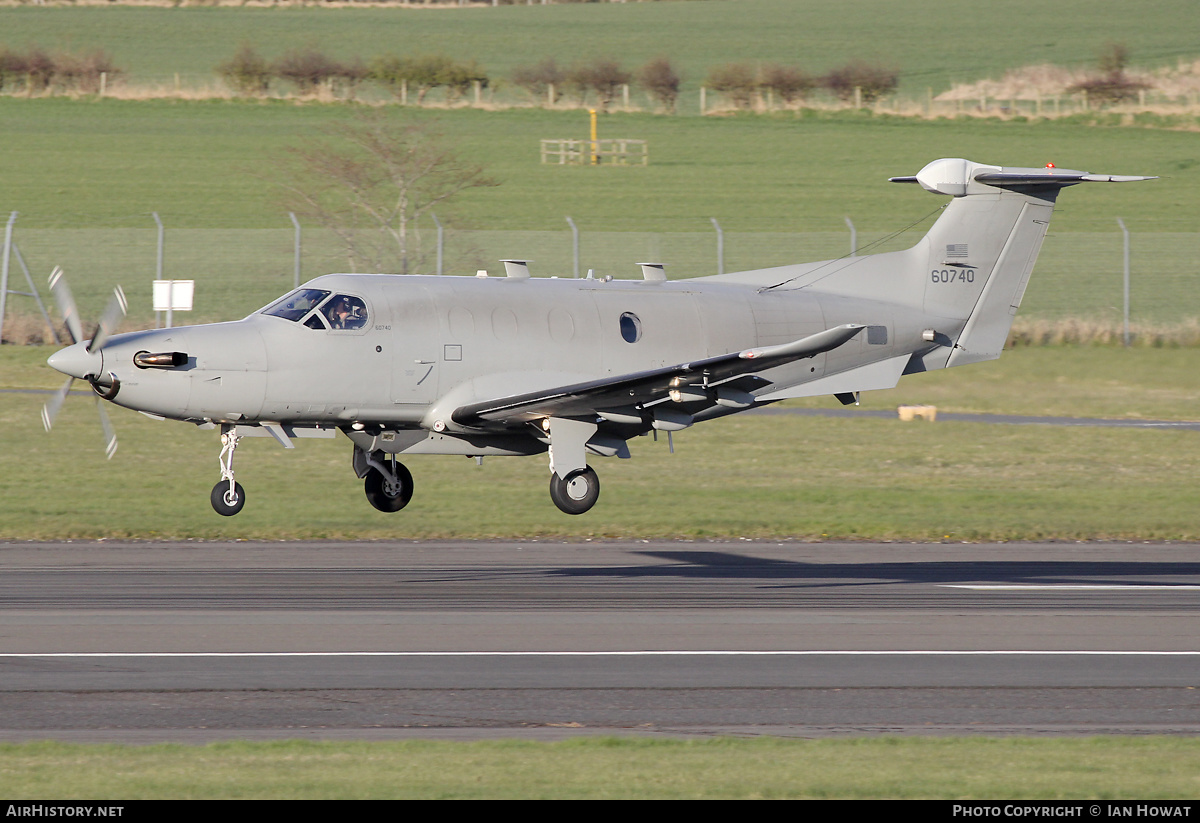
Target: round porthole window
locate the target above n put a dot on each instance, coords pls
(631, 327)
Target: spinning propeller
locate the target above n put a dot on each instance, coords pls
(85, 361)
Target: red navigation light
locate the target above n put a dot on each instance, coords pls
(1049, 165)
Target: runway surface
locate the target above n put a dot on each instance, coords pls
(201, 641)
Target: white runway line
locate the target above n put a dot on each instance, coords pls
(1059, 587)
(642, 653)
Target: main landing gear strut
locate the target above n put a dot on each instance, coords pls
(574, 485)
(386, 481)
(389, 484)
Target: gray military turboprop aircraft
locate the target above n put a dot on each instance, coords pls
(517, 366)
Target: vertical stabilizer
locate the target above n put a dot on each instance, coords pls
(979, 254)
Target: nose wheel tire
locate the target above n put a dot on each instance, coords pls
(387, 495)
(577, 492)
(225, 502)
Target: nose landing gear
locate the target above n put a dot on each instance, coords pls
(228, 497)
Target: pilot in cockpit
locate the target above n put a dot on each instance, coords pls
(346, 313)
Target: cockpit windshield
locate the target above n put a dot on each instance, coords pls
(297, 304)
(318, 310)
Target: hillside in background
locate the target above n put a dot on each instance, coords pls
(933, 43)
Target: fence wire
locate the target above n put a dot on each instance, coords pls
(1078, 275)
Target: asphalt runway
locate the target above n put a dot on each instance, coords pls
(192, 642)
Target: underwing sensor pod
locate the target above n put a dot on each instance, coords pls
(576, 368)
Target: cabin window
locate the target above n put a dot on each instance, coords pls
(297, 304)
(345, 312)
(631, 327)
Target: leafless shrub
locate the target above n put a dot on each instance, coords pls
(538, 79)
(871, 79)
(736, 80)
(1113, 58)
(604, 77)
(38, 67)
(308, 68)
(661, 80)
(789, 82)
(74, 72)
(247, 72)
(1111, 84)
(1106, 89)
(10, 66)
(352, 73)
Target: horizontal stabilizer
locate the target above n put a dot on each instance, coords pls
(1052, 177)
(958, 177)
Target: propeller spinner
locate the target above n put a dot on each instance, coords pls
(85, 361)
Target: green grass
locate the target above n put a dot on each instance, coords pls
(1143, 769)
(744, 476)
(109, 163)
(91, 172)
(934, 43)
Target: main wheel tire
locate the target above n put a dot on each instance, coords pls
(577, 492)
(225, 503)
(385, 496)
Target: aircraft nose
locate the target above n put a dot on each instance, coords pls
(77, 361)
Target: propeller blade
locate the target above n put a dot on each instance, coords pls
(50, 410)
(66, 304)
(110, 436)
(114, 313)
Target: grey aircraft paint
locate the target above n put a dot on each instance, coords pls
(518, 365)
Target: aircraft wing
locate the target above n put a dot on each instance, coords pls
(639, 388)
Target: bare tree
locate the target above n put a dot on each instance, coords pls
(789, 82)
(538, 79)
(370, 180)
(871, 79)
(308, 67)
(605, 77)
(1112, 84)
(247, 72)
(738, 80)
(662, 81)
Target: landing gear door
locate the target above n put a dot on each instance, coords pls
(415, 345)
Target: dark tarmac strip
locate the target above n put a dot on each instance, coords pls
(200, 641)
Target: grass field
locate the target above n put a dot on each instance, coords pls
(93, 171)
(745, 476)
(1143, 769)
(110, 163)
(933, 43)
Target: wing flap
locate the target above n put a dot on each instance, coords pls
(643, 387)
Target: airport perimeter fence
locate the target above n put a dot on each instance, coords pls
(1079, 275)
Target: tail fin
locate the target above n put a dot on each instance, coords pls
(981, 251)
(967, 275)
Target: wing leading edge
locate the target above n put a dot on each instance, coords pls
(640, 388)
